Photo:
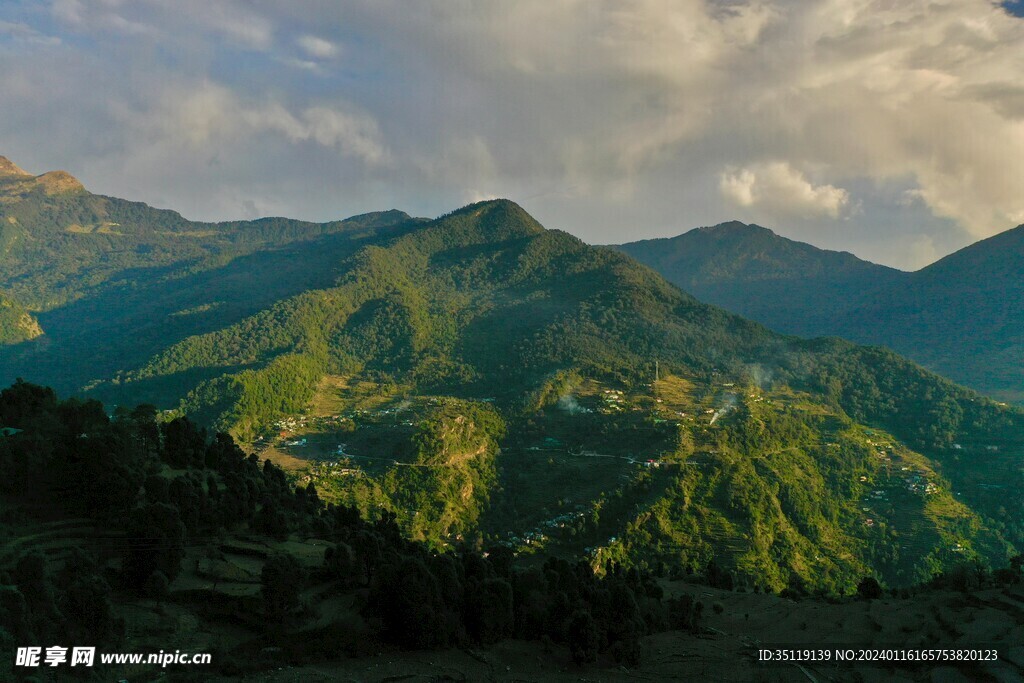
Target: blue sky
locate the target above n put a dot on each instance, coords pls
(892, 130)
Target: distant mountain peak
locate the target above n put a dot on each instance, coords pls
(488, 205)
(59, 182)
(727, 225)
(18, 182)
(735, 228)
(9, 168)
(494, 219)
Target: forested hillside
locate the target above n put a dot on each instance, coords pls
(483, 302)
(959, 317)
(112, 282)
(135, 533)
(60, 243)
(16, 324)
(481, 377)
(486, 305)
(112, 524)
(789, 286)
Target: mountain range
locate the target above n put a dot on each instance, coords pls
(960, 316)
(481, 374)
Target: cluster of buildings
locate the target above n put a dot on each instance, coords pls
(613, 401)
(916, 482)
(544, 529)
(332, 468)
(563, 520)
(290, 424)
(528, 538)
(331, 420)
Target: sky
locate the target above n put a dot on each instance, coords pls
(893, 129)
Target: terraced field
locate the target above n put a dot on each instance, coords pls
(56, 540)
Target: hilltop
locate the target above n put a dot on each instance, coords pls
(9, 169)
(960, 316)
(83, 268)
(16, 184)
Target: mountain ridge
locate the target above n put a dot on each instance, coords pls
(960, 315)
(60, 242)
(736, 234)
(9, 168)
(15, 182)
(753, 271)
(957, 316)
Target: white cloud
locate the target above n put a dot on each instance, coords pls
(68, 10)
(20, 31)
(98, 16)
(184, 21)
(318, 48)
(618, 93)
(636, 105)
(922, 252)
(304, 64)
(781, 190)
(354, 133)
(210, 116)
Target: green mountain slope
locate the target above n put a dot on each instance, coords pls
(959, 317)
(60, 243)
(789, 286)
(112, 282)
(479, 374)
(794, 461)
(480, 300)
(123, 325)
(16, 324)
(136, 534)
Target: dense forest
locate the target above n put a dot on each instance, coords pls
(85, 268)
(484, 303)
(789, 286)
(16, 324)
